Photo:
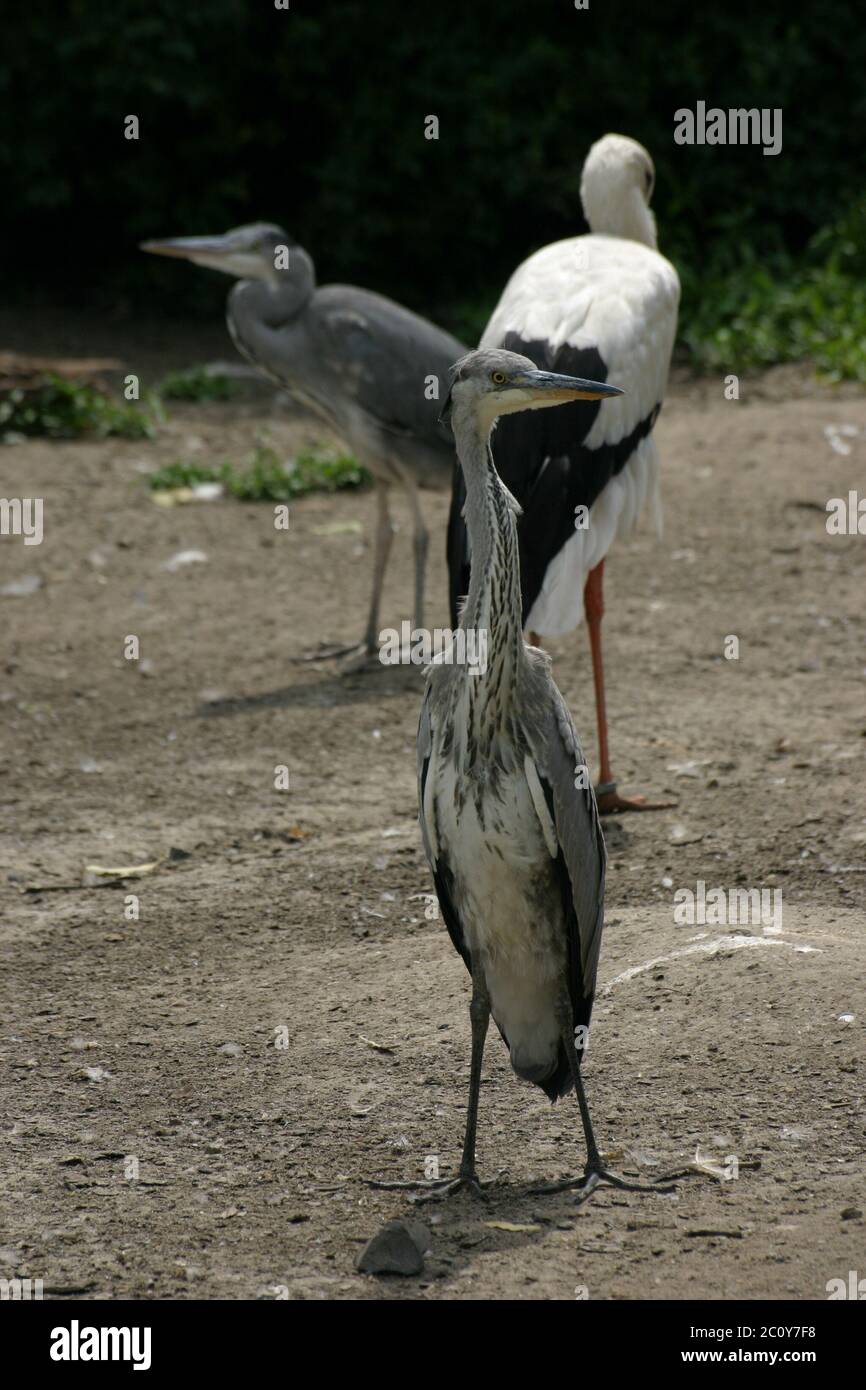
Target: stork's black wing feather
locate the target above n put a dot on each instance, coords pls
(457, 546)
(541, 457)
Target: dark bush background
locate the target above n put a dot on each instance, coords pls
(314, 118)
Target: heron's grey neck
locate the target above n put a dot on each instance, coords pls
(257, 308)
(267, 320)
(493, 605)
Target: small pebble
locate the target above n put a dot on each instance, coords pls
(398, 1248)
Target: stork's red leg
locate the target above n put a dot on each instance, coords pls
(593, 605)
(607, 796)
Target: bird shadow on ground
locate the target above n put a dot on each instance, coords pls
(617, 836)
(509, 1218)
(356, 689)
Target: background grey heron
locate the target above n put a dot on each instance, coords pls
(508, 814)
(364, 365)
(603, 306)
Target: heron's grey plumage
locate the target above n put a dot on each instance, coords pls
(366, 366)
(508, 815)
(498, 762)
(535, 734)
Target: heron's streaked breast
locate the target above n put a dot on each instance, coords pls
(494, 845)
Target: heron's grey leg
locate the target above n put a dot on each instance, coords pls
(420, 542)
(384, 538)
(595, 1174)
(479, 1014)
(566, 1025)
(359, 655)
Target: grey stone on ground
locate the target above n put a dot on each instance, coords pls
(397, 1248)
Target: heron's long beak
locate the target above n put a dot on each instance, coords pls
(550, 388)
(210, 250)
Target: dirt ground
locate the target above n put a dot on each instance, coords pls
(284, 1024)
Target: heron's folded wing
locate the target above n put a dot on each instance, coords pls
(558, 758)
(424, 748)
(393, 362)
(439, 866)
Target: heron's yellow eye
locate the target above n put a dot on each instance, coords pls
(498, 377)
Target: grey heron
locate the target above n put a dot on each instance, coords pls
(508, 814)
(602, 305)
(369, 368)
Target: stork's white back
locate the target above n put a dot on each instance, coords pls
(621, 298)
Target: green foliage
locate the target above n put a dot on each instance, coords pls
(332, 143)
(332, 146)
(755, 315)
(63, 409)
(266, 478)
(183, 474)
(196, 384)
(269, 478)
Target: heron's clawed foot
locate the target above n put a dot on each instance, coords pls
(596, 1176)
(437, 1190)
(332, 651)
(360, 658)
(356, 656)
(440, 1191)
(371, 659)
(610, 803)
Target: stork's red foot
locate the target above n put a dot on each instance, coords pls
(610, 803)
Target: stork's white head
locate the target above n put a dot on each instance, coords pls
(616, 187)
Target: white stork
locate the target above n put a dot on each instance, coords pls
(601, 306)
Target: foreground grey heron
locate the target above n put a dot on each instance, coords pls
(366, 366)
(508, 814)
